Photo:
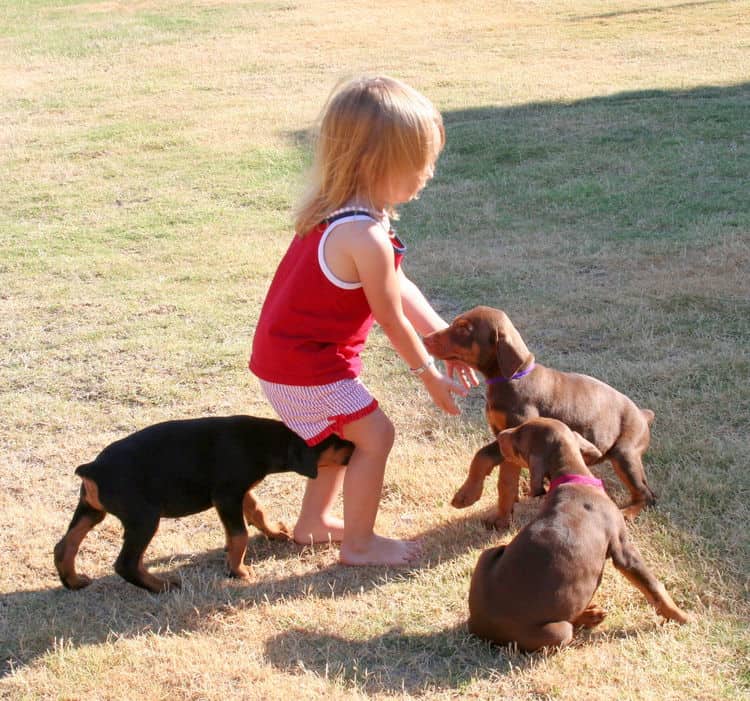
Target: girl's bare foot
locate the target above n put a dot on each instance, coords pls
(380, 551)
(327, 529)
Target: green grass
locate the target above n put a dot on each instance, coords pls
(657, 166)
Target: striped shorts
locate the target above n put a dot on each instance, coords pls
(314, 413)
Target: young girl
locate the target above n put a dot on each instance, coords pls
(377, 147)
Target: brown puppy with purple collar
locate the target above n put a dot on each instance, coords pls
(518, 389)
(536, 589)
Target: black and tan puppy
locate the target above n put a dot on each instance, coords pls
(177, 468)
(519, 388)
(536, 589)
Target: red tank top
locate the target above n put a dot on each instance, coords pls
(313, 326)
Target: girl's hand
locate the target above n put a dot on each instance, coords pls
(461, 372)
(441, 388)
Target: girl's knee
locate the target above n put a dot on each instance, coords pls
(381, 436)
(389, 433)
(373, 433)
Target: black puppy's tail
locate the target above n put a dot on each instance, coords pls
(85, 470)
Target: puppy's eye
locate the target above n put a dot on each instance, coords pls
(463, 330)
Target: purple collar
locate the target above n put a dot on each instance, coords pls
(574, 479)
(517, 376)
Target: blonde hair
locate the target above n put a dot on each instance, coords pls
(372, 128)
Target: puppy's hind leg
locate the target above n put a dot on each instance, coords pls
(84, 519)
(549, 635)
(629, 468)
(129, 565)
(590, 617)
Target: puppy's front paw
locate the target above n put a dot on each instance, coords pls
(673, 613)
(242, 572)
(170, 585)
(498, 522)
(630, 512)
(469, 493)
(157, 585)
(281, 532)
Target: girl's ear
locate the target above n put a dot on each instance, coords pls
(589, 452)
(538, 472)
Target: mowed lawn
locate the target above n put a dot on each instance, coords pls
(594, 186)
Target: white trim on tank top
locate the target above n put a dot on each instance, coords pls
(321, 246)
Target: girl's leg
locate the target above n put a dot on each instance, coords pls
(373, 437)
(316, 524)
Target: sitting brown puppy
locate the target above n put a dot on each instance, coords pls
(177, 468)
(519, 389)
(536, 589)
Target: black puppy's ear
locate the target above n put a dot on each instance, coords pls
(538, 473)
(302, 458)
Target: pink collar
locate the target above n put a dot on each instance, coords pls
(574, 479)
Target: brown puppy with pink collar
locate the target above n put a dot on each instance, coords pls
(536, 589)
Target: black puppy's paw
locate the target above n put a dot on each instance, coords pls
(281, 532)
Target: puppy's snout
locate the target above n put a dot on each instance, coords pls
(437, 343)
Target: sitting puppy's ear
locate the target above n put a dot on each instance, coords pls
(590, 453)
(538, 473)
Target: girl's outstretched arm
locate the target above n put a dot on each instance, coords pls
(371, 252)
(426, 320)
(417, 309)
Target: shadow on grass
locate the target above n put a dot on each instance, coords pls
(396, 661)
(412, 663)
(655, 9)
(109, 606)
(655, 166)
